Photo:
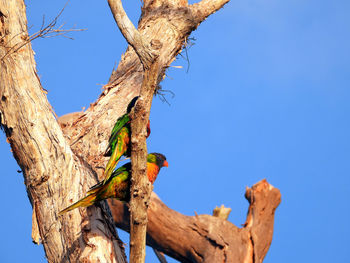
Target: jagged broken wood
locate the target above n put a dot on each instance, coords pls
(222, 212)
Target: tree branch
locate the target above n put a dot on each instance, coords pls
(206, 238)
(141, 188)
(205, 8)
(132, 36)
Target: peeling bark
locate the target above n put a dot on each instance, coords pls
(53, 175)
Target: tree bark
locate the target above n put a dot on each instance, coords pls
(141, 188)
(53, 175)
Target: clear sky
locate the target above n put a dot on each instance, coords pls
(266, 95)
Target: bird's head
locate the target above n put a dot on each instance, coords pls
(158, 159)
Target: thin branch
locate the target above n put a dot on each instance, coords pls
(44, 32)
(141, 46)
(160, 256)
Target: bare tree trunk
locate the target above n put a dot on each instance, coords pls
(53, 174)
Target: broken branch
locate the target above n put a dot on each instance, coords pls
(206, 238)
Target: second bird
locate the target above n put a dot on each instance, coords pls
(118, 185)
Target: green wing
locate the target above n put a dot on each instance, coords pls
(121, 122)
(121, 148)
(125, 168)
(118, 185)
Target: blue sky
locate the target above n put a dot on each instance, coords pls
(266, 96)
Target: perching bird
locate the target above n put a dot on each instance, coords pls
(118, 185)
(118, 143)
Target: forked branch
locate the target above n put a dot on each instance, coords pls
(141, 46)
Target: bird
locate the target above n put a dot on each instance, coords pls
(119, 143)
(118, 185)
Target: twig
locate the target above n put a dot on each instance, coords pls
(160, 256)
(44, 32)
(187, 45)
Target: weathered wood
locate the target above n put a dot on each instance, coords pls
(53, 175)
(205, 238)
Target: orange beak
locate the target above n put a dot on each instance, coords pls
(165, 163)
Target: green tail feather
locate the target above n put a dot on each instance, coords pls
(112, 163)
(86, 201)
(120, 148)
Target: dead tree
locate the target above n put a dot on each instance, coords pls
(64, 158)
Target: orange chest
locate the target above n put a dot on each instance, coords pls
(152, 172)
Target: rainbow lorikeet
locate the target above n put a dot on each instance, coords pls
(118, 185)
(118, 143)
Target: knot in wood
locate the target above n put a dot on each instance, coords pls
(135, 192)
(140, 219)
(156, 44)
